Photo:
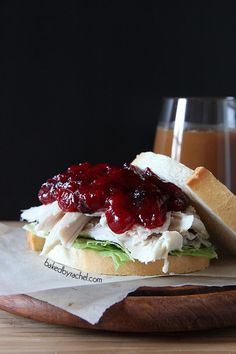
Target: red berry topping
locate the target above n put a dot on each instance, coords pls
(121, 213)
(93, 199)
(67, 200)
(79, 169)
(47, 192)
(127, 195)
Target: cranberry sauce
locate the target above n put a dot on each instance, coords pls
(127, 195)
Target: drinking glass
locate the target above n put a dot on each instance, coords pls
(200, 131)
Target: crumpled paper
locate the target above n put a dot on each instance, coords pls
(82, 294)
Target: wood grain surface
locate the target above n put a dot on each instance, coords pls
(23, 336)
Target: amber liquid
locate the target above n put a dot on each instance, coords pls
(213, 149)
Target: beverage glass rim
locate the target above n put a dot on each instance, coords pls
(230, 98)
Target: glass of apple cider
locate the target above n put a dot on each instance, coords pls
(200, 131)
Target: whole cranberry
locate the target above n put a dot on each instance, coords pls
(120, 214)
(47, 192)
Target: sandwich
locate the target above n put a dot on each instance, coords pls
(138, 219)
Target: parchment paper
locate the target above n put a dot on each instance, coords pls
(85, 295)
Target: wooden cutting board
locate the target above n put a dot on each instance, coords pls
(165, 309)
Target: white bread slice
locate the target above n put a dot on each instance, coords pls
(94, 262)
(165, 167)
(215, 204)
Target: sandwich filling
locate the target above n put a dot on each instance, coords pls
(121, 212)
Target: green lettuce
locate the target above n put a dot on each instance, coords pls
(31, 228)
(208, 252)
(120, 255)
(105, 248)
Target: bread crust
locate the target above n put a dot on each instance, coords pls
(34, 242)
(215, 194)
(216, 205)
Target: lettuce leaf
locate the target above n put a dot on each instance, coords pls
(120, 255)
(208, 252)
(105, 248)
(31, 228)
